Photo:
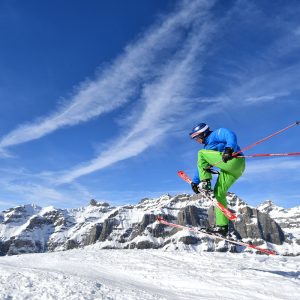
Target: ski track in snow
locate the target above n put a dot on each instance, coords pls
(90, 273)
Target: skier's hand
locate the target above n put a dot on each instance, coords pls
(227, 154)
(195, 187)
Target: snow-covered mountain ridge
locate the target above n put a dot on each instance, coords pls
(30, 228)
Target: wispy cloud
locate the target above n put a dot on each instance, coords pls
(266, 85)
(20, 184)
(277, 168)
(6, 204)
(270, 178)
(168, 95)
(164, 89)
(270, 72)
(118, 83)
(297, 31)
(163, 99)
(266, 98)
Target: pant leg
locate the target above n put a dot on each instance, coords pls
(224, 182)
(230, 172)
(206, 158)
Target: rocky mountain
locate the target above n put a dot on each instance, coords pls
(30, 228)
(288, 220)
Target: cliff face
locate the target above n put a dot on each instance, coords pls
(29, 228)
(287, 219)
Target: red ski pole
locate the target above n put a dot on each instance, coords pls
(267, 138)
(262, 140)
(269, 154)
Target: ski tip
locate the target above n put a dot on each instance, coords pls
(270, 252)
(297, 122)
(180, 172)
(266, 251)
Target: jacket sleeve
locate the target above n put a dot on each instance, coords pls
(227, 137)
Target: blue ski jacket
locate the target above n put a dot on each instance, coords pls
(218, 140)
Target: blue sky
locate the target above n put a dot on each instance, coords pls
(98, 98)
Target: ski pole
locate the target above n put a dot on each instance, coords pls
(267, 138)
(269, 154)
(261, 141)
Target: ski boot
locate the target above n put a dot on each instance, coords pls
(218, 230)
(204, 187)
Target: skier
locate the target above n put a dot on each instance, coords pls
(219, 147)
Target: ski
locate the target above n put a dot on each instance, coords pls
(216, 236)
(209, 196)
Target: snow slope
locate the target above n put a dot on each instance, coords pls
(90, 273)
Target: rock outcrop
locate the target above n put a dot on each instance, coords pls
(29, 228)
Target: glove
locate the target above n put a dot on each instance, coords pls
(195, 187)
(205, 185)
(227, 154)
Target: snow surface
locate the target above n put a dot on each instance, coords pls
(90, 273)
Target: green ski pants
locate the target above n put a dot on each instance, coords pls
(229, 173)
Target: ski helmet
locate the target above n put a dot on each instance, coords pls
(200, 131)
